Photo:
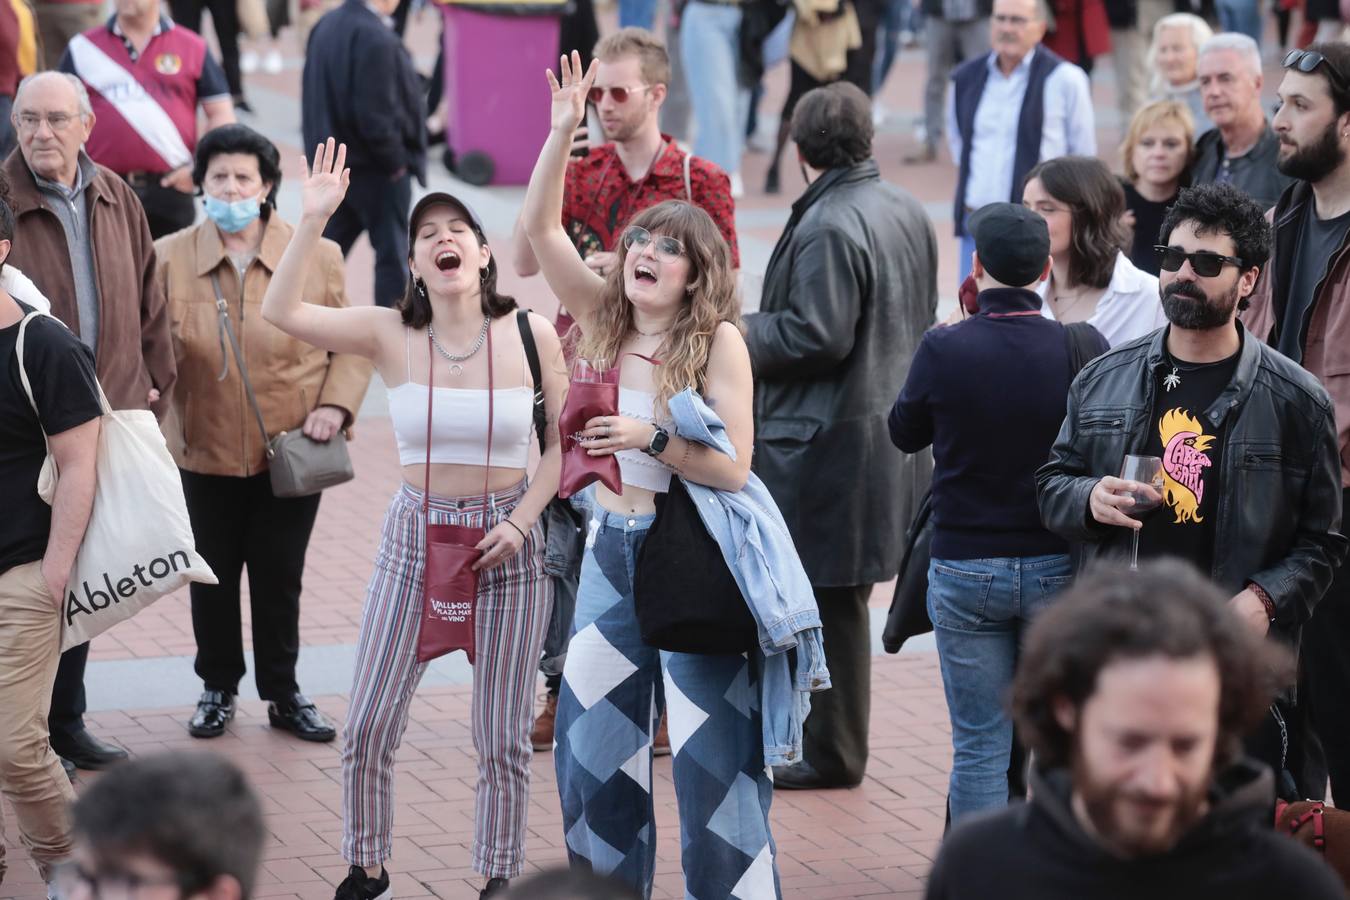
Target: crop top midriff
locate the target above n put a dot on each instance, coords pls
(635, 467)
(459, 425)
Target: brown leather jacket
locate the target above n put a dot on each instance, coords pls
(213, 430)
(133, 351)
(1326, 348)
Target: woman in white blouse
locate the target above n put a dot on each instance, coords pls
(1092, 280)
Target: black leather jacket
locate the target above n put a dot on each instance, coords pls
(1279, 515)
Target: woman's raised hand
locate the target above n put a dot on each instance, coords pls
(326, 184)
(569, 96)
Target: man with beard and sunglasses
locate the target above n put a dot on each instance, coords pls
(1133, 692)
(1298, 308)
(1250, 474)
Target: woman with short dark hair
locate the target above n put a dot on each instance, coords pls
(214, 435)
(1092, 279)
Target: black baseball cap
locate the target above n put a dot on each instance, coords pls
(1013, 242)
(441, 198)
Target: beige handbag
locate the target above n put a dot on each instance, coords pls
(298, 465)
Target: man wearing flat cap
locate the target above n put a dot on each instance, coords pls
(988, 394)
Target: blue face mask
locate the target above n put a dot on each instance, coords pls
(232, 217)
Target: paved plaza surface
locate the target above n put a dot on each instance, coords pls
(875, 840)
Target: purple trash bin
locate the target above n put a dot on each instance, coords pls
(496, 94)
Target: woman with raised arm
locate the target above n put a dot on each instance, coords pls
(671, 299)
(453, 342)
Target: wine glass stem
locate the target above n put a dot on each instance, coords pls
(1134, 550)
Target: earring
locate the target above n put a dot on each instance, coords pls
(483, 274)
(689, 289)
(421, 287)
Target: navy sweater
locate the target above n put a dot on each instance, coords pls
(989, 394)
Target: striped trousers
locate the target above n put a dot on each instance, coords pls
(512, 615)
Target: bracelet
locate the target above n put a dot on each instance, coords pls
(1261, 595)
(516, 527)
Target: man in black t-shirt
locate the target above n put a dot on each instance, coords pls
(1250, 479)
(38, 544)
(1300, 308)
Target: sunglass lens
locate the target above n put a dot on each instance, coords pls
(1206, 265)
(1171, 258)
(595, 95)
(619, 94)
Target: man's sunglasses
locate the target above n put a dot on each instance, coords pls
(1307, 61)
(620, 94)
(1204, 263)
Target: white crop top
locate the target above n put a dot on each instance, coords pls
(459, 425)
(635, 467)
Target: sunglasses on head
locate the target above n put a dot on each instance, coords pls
(636, 239)
(620, 94)
(1307, 61)
(1204, 263)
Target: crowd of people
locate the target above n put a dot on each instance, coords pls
(1140, 365)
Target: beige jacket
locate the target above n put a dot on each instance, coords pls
(213, 430)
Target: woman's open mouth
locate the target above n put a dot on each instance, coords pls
(644, 273)
(447, 260)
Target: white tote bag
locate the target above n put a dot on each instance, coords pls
(139, 543)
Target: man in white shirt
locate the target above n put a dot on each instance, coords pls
(1021, 96)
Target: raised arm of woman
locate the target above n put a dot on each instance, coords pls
(355, 330)
(576, 286)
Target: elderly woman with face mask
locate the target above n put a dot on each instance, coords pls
(214, 434)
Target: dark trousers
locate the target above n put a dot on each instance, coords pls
(237, 523)
(377, 206)
(834, 738)
(1325, 665)
(68, 701)
(166, 209)
(225, 21)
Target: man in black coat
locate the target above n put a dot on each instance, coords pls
(360, 88)
(849, 291)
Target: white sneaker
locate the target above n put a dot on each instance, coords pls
(248, 62)
(273, 63)
(878, 114)
(737, 186)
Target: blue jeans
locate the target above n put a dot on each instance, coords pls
(1242, 16)
(637, 14)
(980, 608)
(709, 48)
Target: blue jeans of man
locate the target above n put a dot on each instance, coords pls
(1242, 16)
(980, 609)
(710, 49)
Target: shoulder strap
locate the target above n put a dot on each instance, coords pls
(1082, 341)
(536, 373)
(688, 185)
(228, 329)
(23, 369)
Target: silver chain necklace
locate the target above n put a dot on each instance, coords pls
(455, 367)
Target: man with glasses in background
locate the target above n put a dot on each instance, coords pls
(607, 185)
(1299, 308)
(1250, 473)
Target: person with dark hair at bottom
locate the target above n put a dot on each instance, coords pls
(1134, 692)
(1299, 307)
(1250, 469)
(229, 259)
(994, 565)
(184, 825)
(849, 291)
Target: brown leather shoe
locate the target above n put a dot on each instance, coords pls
(661, 743)
(541, 736)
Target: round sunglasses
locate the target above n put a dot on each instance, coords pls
(620, 94)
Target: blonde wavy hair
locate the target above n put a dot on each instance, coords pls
(1159, 112)
(711, 300)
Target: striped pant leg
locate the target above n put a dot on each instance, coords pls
(386, 675)
(512, 618)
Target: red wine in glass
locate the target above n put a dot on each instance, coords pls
(1145, 470)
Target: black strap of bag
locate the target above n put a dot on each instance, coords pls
(228, 329)
(536, 374)
(1084, 343)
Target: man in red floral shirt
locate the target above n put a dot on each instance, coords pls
(638, 168)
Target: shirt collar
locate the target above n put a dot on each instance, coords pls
(1023, 66)
(388, 21)
(1004, 300)
(164, 24)
(84, 176)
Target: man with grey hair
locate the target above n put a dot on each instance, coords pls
(1241, 149)
(84, 239)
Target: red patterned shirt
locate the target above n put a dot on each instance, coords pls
(599, 199)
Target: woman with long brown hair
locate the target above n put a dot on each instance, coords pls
(671, 299)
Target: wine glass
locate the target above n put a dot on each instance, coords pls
(1146, 470)
(589, 371)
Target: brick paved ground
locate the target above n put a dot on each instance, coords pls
(875, 840)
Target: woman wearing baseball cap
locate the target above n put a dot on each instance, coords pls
(456, 341)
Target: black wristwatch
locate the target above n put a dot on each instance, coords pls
(657, 446)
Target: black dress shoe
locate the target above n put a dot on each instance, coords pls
(494, 886)
(86, 751)
(298, 716)
(214, 711)
(802, 777)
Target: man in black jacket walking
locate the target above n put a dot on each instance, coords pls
(1133, 692)
(1250, 474)
(360, 88)
(848, 293)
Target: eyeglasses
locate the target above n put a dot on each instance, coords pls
(1307, 61)
(58, 121)
(620, 94)
(636, 239)
(1205, 263)
(71, 880)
